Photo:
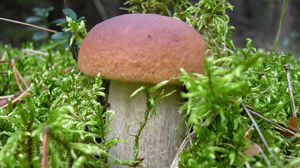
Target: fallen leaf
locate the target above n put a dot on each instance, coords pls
(293, 124)
(253, 150)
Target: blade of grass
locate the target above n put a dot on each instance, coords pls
(284, 7)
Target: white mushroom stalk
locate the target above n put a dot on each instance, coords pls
(158, 136)
(134, 49)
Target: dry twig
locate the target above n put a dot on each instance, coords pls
(18, 76)
(27, 24)
(35, 52)
(290, 88)
(260, 134)
(15, 100)
(6, 97)
(45, 148)
(186, 140)
(277, 126)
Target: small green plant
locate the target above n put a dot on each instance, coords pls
(73, 26)
(151, 6)
(73, 29)
(153, 96)
(40, 18)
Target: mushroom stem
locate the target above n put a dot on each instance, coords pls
(161, 134)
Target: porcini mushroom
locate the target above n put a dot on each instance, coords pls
(142, 49)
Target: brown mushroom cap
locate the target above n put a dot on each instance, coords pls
(146, 48)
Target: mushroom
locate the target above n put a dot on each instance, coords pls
(143, 49)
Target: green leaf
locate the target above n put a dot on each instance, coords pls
(70, 13)
(140, 89)
(158, 86)
(59, 21)
(88, 149)
(40, 36)
(79, 162)
(60, 36)
(33, 19)
(42, 12)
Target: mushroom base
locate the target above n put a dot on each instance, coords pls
(162, 134)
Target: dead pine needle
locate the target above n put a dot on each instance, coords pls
(186, 140)
(260, 134)
(30, 51)
(16, 99)
(277, 126)
(290, 89)
(27, 24)
(7, 96)
(18, 76)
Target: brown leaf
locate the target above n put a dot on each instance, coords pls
(248, 134)
(253, 150)
(3, 102)
(15, 99)
(293, 124)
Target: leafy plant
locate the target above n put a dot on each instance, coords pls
(151, 6)
(73, 29)
(73, 25)
(40, 18)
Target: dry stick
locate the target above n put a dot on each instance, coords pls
(21, 77)
(290, 88)
(35, 52)
(190, 136)
(16, 75)
(24, 93)
(247, 164)
(271, 122)
(186, 140)
(27, 24)
(6, 97)
(44, 163)
(260, 134)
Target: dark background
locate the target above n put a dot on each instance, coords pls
(257, 19)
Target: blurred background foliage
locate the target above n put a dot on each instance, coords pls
(256, 19)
